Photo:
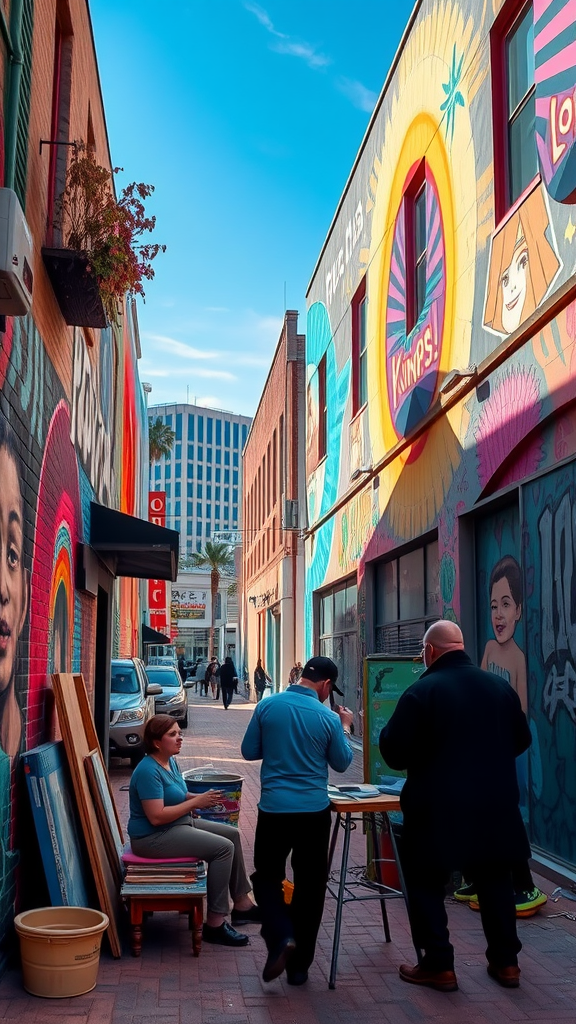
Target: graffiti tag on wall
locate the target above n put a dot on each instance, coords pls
(90, 433)
(557, 531)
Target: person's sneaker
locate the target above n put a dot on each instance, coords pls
(296, 977)
(509, 977)
(473, 904)
(251, 916)
(277, 959)
(466, 893)
(443, 981)
(527, 903)
(225, 935)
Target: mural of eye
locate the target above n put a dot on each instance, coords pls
(413, 358)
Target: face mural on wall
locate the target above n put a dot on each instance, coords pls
(523, 265)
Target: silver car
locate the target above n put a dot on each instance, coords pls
(131, 706)
(173, 699)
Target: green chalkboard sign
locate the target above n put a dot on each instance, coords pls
(385, 680)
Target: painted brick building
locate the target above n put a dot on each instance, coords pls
(72, 434)
(274, 492)
(441, 378)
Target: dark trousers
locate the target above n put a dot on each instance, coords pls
(259, 695)
(429, 922)
(306, 836)
(227, 692)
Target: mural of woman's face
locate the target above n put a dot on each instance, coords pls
(504, 611)
(13, 588)
(514, 281)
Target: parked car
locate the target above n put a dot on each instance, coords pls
(131, 706)
(173, 700)
(163, 659)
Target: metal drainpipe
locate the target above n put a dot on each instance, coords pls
(13, 91)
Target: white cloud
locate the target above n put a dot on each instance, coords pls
(357, 93)
(213, 374)
(292, 47)
(155, 373)
(216, 309)
(179, 348)
(213, 402)
(305, 51)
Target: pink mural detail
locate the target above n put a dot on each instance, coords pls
(58, 510)
(555, 78)
(505, 420)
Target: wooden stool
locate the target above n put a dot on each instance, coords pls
(151, 895)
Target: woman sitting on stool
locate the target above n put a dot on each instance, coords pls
(161, 826)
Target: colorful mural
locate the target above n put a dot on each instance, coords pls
(455, 411)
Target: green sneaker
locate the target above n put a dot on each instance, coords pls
(527, 903)
(466, 893)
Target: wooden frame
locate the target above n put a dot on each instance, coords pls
(80, 739)
(105, 810)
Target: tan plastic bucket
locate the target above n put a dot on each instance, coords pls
(60, 949)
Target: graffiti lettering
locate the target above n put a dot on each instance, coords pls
(89, 433)
(560, 689)
(562, 123)
(27, 373)
(351, 237)
(262, 600)
(407, 368)
(557, 532)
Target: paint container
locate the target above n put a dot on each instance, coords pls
(228, 810)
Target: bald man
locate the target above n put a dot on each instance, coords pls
(460, 803)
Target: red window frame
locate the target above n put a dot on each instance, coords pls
(503, 25)
(414, 184)
(357, 303)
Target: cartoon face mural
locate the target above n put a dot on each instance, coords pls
(413, 357)
(523, 265)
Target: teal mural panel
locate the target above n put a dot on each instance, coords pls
(384, 683)
(549, 553)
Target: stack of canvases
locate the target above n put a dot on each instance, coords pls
(142, 878)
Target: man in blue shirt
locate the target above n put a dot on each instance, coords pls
(298, 738)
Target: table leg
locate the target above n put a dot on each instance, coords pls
(378, 869)
(340, 899)
(136, 917)
(196, 918)
(333, 840)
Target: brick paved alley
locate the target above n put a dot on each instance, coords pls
(168, 985)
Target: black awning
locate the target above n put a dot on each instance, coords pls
(132, 546)
(153, 636)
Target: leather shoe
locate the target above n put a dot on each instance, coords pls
(225, 935)
(509, 977)
(277, 958)
(443, 981)
(251, 916)
(296, 977)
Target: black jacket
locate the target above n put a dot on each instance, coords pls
(458, 731)
(227, 675)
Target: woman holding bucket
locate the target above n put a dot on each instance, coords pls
(161, 825)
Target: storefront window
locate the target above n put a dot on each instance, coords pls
(407, 600)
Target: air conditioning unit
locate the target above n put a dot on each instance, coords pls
(289, 513)
(16, 258)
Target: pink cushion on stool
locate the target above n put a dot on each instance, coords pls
(132, 858)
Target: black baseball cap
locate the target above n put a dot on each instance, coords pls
(317, 669)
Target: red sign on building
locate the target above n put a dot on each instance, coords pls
(158, 602)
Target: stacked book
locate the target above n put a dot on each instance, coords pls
(165, 878)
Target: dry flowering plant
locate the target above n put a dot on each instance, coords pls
(108, 230)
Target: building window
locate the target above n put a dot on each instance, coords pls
(191, 452)
(167, 470)
(209, 492)
(217, 511)
(226, 494)
(235, 434)
(189, 527)
(199, 473)
(190, 509)
(234, 458)
(189, 490)
(178, 469)
(235, 476)
(338, 633)
(407, 600)
(200, 453)
(226, 434)
(244, 434)
(190, 429)
(178, 452)
(177, 508)
(226, 476)
(169, 420)
(322, 410)
(218, 474)
(209, 473)
(359, 356)
(226, 457)
(157, 471)
(218, 432)
(208, 455)
(513, 101)
(200, 435)
(168, 489)
(198, 490)
(199, 509)
(218, 458)
(198, 531)
(178, 426)
(209, 422)
(177, 489)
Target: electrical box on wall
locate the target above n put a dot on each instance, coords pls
(16, 276)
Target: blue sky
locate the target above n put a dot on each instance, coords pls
(247, 118)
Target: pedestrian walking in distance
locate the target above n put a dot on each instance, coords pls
(227, 679)
(261, 678)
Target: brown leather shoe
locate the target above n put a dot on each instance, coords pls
(509, 977)
(443, 981)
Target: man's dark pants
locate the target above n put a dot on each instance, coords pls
(429, 923)
(227, 692)
(307, 836)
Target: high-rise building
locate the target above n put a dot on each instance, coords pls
(202, 476)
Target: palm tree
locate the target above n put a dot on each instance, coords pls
(219, 558)
(160, 439)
